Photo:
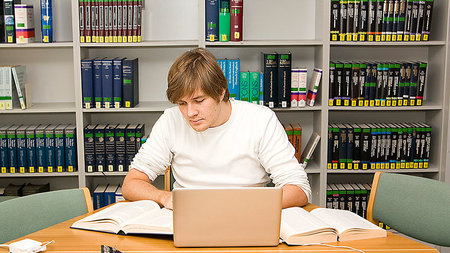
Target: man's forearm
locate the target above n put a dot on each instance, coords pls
(137, 187)
(293, 195)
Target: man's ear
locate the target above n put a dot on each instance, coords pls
(222, 95)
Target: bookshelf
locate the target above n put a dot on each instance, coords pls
(299, 27)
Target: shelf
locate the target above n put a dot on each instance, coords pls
(266, 43)
(383, 44)
(37, 45)
(296, 109)
(158, 106)
(429, 170)
(101, 174)
(386, 108)
(45, 108)
(45, 174)
(160, 43)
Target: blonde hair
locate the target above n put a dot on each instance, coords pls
(193, 70)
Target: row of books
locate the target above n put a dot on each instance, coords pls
(23, 189)
(277, 86)
(38, 148)
(377, 84)
(110, 82)
(223, 20)
(352, 197)
(104, 195)
(111, 147)
(17, 22)
(379, 146)
(13, 88)
(110, 21)
(380, 20)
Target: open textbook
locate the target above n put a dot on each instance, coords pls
(138, 217)
(323, 225)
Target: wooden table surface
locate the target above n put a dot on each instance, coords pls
(75, 240)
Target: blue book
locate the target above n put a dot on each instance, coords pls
(46, 21)
(110, 194)
(89, 148)
(261, 88)
(130, 84)
(31, 148)
(117, 82)
(233, 74)
(212, 20)
(41, 151)
(4, 162)
(223, 65)
(98, 96)
(99, 140)
(21, 143)
(87, 82)
(98, 196)
(110, 147)
(12, 148)
(49, 133)
(60, 156)
(107, 83)
(70, 148)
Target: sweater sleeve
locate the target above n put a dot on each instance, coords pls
(154, 156)
(276, 154)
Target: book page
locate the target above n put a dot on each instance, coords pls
(343, 220)
(157, 222)
(122, 211)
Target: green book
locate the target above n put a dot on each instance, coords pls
(244, 86)
(224, 20)
(254, 87)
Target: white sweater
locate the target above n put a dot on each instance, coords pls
(251, 146)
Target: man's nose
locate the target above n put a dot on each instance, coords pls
(191, 110)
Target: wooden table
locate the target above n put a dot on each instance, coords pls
(75, 240)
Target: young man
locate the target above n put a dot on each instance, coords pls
(210, 141)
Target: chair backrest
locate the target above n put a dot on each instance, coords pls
(25, 215)
(415, 206)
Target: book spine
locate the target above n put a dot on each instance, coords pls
(117, 82)
(224, 20)
(363, 17)
(379, 20)
(413, 84)
(414, 20)
(313, 86)
(362, 83)
(401, 20)
(140, 136)
(395, 19)
(365, 146)
(46, 21)
(24, 23)
(335, 148)
(334, 20)
(244, 86)
(234, 69)
(343, 20)
(82, 20)
(421, 83)
(130, 83)
(338, 84)
(107, 83)
(420, 19)
(131, 4)
(350, 19)
(427, 20)
(330, 148)
(332, 84)
(110, 149)
(396, 85)
(120, 148)
(101, 21)
(12, 150)
(97, 72)
(355, 86)
(371, 20)
(124, 20)
(70, 149)
(261, 88)
(119, 21)
(41, 161)
(347, 83)
(284, 80)
(94, 20)
(211, 20)
(88, 20)
(21, 150)
(106, 21)
(350, 146)
(110, 21)
(31, 150)
(99, 145)
(87, 83)
(50, 147)
(8, 12)
(115, 20)
(356, 18)
(389, 20)
(60, 150)
(130, 146)
(89, 148)
(237, 8)
(295, 85)
(390, 84)
(407, 86)
(254, 87)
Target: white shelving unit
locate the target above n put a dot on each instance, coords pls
(172, 27)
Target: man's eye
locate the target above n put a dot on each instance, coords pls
(181, 103)
(199, 101)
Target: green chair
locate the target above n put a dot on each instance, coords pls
(25, 215)
(415, 206)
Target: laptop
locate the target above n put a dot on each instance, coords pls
(218, 217)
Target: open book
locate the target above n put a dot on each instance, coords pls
(323, 225)
(138, 217)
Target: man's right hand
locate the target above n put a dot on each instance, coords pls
(166, 200)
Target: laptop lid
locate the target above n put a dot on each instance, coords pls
(212, 217)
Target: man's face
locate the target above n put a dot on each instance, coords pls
(201, 111)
